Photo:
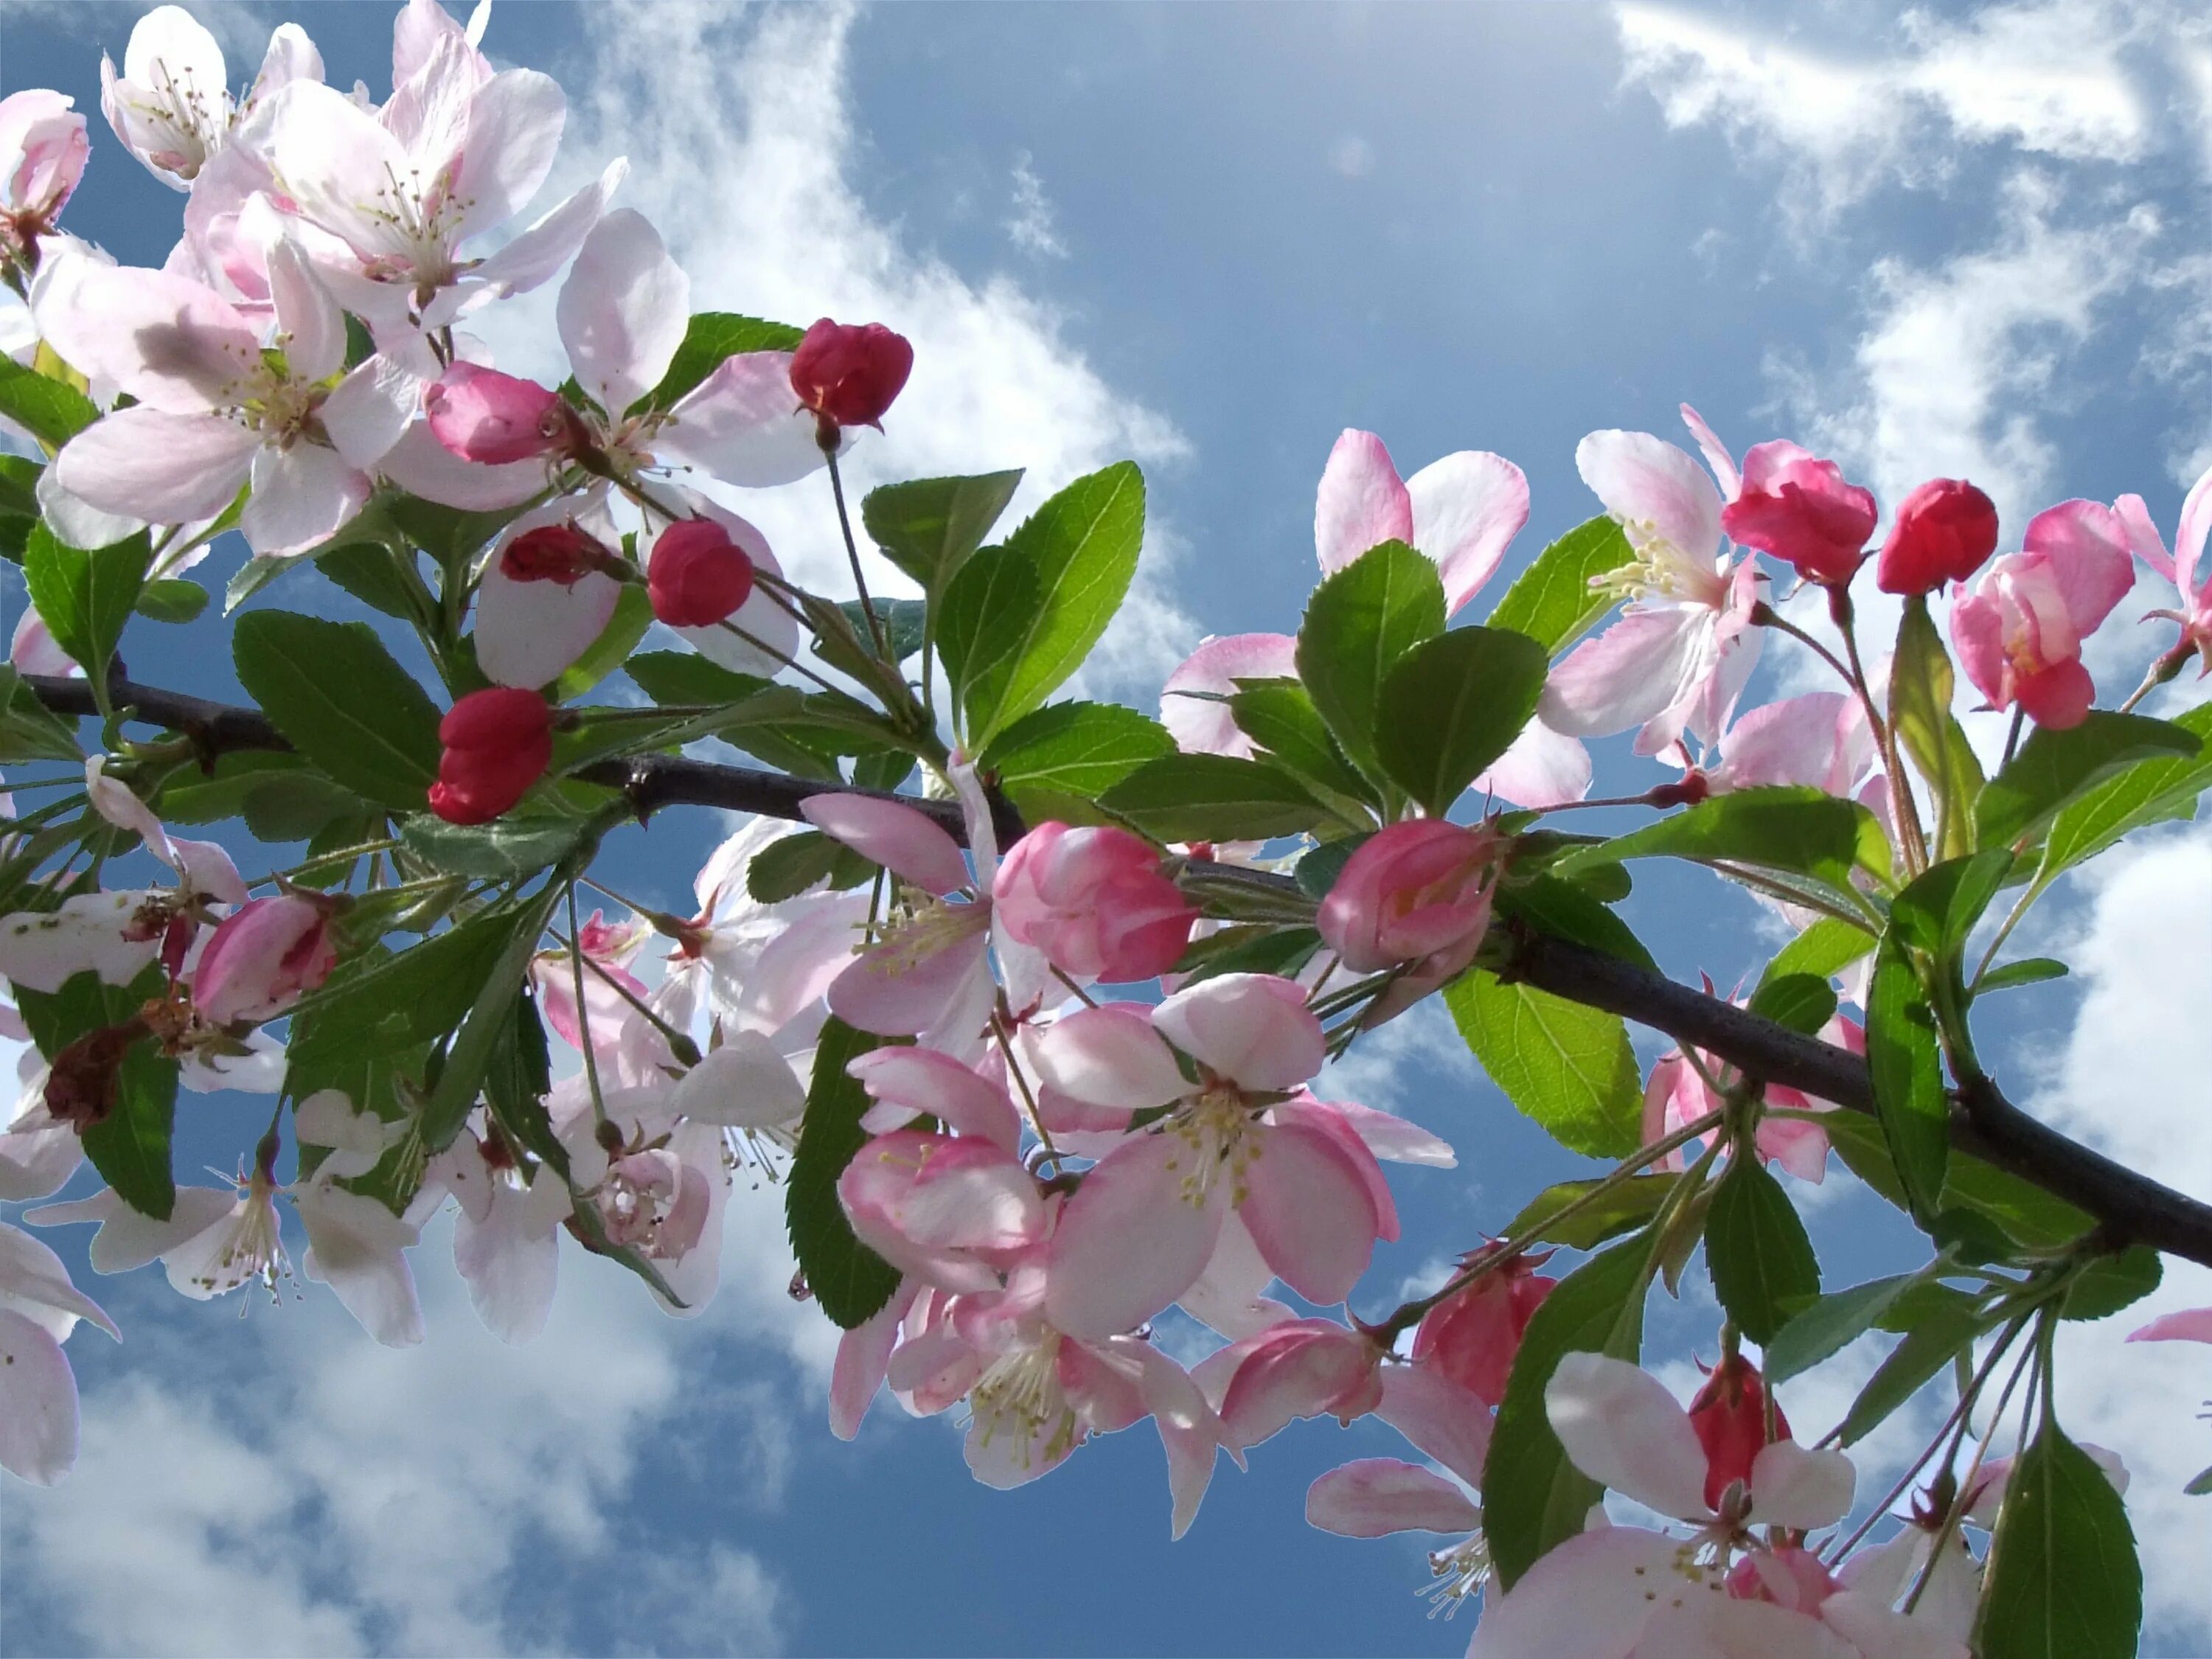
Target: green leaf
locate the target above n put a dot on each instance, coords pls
(903, 621)
(2145, 792)
(19, 486)
(1358, 623)
(2064, 1582)
(790, 865)
(1624, 1207)
(171, 599)
(928, 527)
(1905, 1066)
(505, 850)
(1453, 704)
(490, 1013)
(1803, 1002)
(849, 1280)
(130, 1147)
(1021, 618)
(1532, 1497)
(190, 796)
(1568, 1066)
(451, 535)
(1552, 601)
(1795, 830)
(1213, 798)
(1316, 870)
(2110, 1283)
(711, 337)
(336, 693)
(1947, 1331)
(1829, 1326)
(2028, 970)
(29, 731)
(384, 999)
(1056, 761)
(1920, 687)
(633, 614)
(1756, 1247)
(1279, 716)
(49, 409)
(1566, 910)
(685, 676)
(2033, 1217)
(1939, 907)
(1825, 949)
(85, 595)
(296, 805)
(1259, 948)
(515, 1082)
(2054, 769)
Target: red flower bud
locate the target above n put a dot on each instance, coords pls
(849, 373)
(484, 415)
(498, 744)
(1471, 1335)
(551, 553)
(1729, 1417)
(698, 576)
(1944, 531)
(1797, 507)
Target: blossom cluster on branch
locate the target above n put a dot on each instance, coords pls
(1032, 1087)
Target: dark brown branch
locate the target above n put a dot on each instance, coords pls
(2130, 1208)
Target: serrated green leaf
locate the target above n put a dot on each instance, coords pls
(29, 731)
(1920, 687)
(48, 410)
(1360, 622)
(710, 338)
(2063, 1580)
(1568, 1066)
(1945, 1331)
(1279, 716)
(1830, 1325)
(1797, 830)
(2145, 792)
(1259, 948)
(1056, 761)
(1803, 1002)
(1566, 910)
(1019, 618)
(1825, 949)
(903, 624)
(1532, 1496)
(1937, 909)
(928, 527)
(2031, 1216)
(171, 599)
(790, 865)
(391, 1000)
(296, 805)
(2055, 769)
(1552, 601)
(1316, 870)
(190, 796)
(1905, 1064)
(2028, 970)
(1756, 1249)
(490, 1011)
(19, 486)
(1453, 704)
(516, 1079)
(1186, 798)
(849, 1281)
(334, 690)
(129, 1147)
(2110, 1283)
(1623, 1207)
(505, 850)
(85, 595)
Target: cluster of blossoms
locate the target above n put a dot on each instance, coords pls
(1055, 1178)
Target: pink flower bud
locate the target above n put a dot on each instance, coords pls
(1413, 890)
(263, 958)
(1094, 900)
(551, 553)
(498, 744)
(1944, 531)
(698, 576)
(42, 149)
(1729, 1417)
(849, 373)
(1797, 507)
(481, 415)
(1471, 1335)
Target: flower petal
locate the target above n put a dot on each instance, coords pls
(1467, 508)
(527, 633)
(1590, 1597)
(1130, 1241)
(1110, 1056)
(1201, 726)
(158, 466)
(743, 424)
(1361, 502)
(301, 495)
(1377, 1495)
(1540, 768)
(1621, 1428)
(1254, 1029)
(1654, 489)
(1310, 1212)
(1448, 1422)
(1792, 1486)
(912, 847)
(624, 310)
(38, 1403)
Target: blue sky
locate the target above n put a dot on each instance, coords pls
(1963, 241)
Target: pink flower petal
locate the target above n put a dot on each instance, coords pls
(1254, 1029)
(926, 1081)
(1626, 674)
(1310, 1212)
(1646, 483)
(1621, 1428)
(1715, 451)
(2190, 1325)
(1361, 503)
(1467, 508)
(527, 633)
(1130, 1241)
(889, 991)
(1108, 1056)
(1446, 1421)
(1590, 1597)
(1377, 1495)
(901, 840)
(1203, 727)
(1792, 1486)
(1540, 768)
(622, 310)
(38, 1403)
(164, 468)
(863, 1356)
(742, 425)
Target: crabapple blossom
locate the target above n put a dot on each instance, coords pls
(42, 153)
(172, 105)
(1094, 902)
(263, 957)
(548, 593)
(39, 1308)
(1416, 893)
(2019, 632)
(2181, 567)
(1471, 1335)
(496, 743)
(1194, 703)
(698, 576)
(850, 374)
(2190, 1325)
(494, 419)
(1944, 532)
(1792, 504)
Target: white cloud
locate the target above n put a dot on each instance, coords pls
(2047, 79)
(1031, 227)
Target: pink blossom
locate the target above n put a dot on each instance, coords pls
(481, 415)
(1146, 1221)
(1680, 654)
(39, 1308)
(1415, 892)
(1792, 504)
(172, 105)
(2190, 1325)
(262, 959)
(1194, 704)
(1297, 1368)
(2019, 632)
(944, 1208)
(1676, 1095)
(1094, 900)
(42, 155)
(2181, 567)
(529, 632)
(1473, 1334)
(1945, 530)
(769, 637)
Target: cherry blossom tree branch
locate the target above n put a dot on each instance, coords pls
(2129, 1207)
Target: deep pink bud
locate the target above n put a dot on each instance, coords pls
(264, 958)
(551, 553)
(481, 415)
(849, 373)
(1471, 1335)
(1945, 530)
(1094, 900)
(698, 576)
(498, 744)
(1414, 889)
(1729, 1417)
(1797, 507)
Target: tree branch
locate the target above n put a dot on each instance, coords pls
(2129, 1207)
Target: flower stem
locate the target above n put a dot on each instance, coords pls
(852, 553)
